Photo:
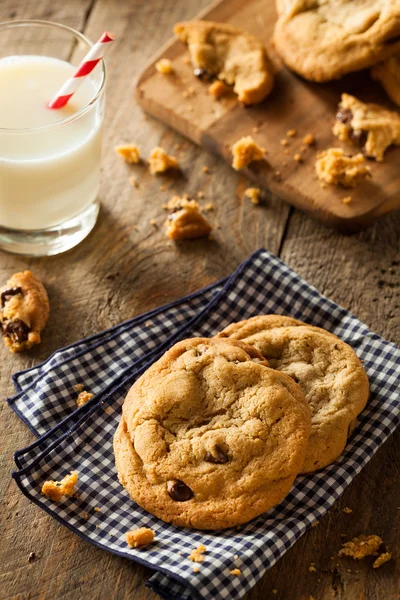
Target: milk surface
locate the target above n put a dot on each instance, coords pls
(50, 175)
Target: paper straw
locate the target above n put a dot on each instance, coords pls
(91, 59)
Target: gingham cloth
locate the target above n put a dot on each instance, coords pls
(82, 439)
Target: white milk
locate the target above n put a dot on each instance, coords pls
(50, 175)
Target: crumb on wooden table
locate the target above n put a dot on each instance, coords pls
(315, 524)
(218, 89)
(153, 222)
(382, 559)
(129, 152)
(291, 132)
(137, 538)
(333, 166)
(209, 206)
(253, 194)
(205, 169)
(297, 157)
(309, 139)
(362, 546)
(246, 151)
(133, 182)
(159, 161)
(284, 142)
(347, 510)
(164, 66)
(185, 220)
(83, 398)
(56, 489)
(197, 554)
(347, 200)
(312, 568)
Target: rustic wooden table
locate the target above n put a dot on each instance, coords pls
(127, 266)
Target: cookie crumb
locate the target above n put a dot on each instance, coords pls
(159, 161)
(284, 142)
(360, 547)
(153, 222)
(200, 195)
(129, 153)
(245, 151)
(291, 133)
(56, 489)
(236, 556)
(97, 508)
(315, 524)
(205, 169)
(312, 568)
(209, 206)
(162, 187)
(218, 89)
(347, 510)
(83, 398)
(347, 200)
(185, 220)
(274, 591)
(196, 569)
(309, 139)
(133, 182)
(164, 66)
(78, 387)
(197, 554)
(382, 559)
(298, 158)
(255, 129)
(253, 194)
(333, 166)
(235, 572)
(139, 537)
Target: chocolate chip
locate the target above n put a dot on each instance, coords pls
(344, 115)
(7, 294)
(203, 74)
(16, 329)
(217, 457)
(179, 491)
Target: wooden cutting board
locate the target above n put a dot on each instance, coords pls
(293, 104)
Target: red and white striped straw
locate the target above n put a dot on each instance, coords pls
(91, 59)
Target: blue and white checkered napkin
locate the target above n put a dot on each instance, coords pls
(109, 363)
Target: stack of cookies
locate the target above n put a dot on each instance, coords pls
(215, 432)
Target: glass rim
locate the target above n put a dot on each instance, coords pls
(81, 111)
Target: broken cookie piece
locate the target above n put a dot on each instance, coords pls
(371, 126)
(83, 398)
(164, 66)
(159, 161)
(139, 537)
(219, 50)
(382, 559)
(55, 490)
(388, 75)
(129, 153)
(24, 311)
(360, 547)
(253, 194)
(245, 151)
(218, 89)
(185, 220)
(333, 166)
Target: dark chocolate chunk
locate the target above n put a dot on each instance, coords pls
(7, 294)
(179, 491)
(217, 457)
(203, 74)
(16, 329)
(344, 115)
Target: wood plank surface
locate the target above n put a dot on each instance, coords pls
(293, 104)
(121, 271)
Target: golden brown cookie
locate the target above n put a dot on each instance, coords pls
(327, 370)
(24, 311)
(388, 74)
(369, 125)
(325, 39)
(334, 166)
(210, 437)
(223, 51)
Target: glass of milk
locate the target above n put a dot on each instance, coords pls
(49, 158)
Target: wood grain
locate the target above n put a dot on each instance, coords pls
(293, 104)
(119, 272)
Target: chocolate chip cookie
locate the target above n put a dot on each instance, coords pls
(371, 126)
(327, 370)
(210, 437)
(223, 51)
(388, 74)
(24, 311)
(325, 39)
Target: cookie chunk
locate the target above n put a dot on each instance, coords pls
(246, 151)
(325, 39)
(382, 559)
(333, 166)
(237, 58)
(139, 537)
(371, 126)
(129, 153)
(388, 74)
(210, 437)
(360, 547)
(328, 371)
(185, 220)
(24, 311)
(164, 66)
(159, 161)
(55, 490)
